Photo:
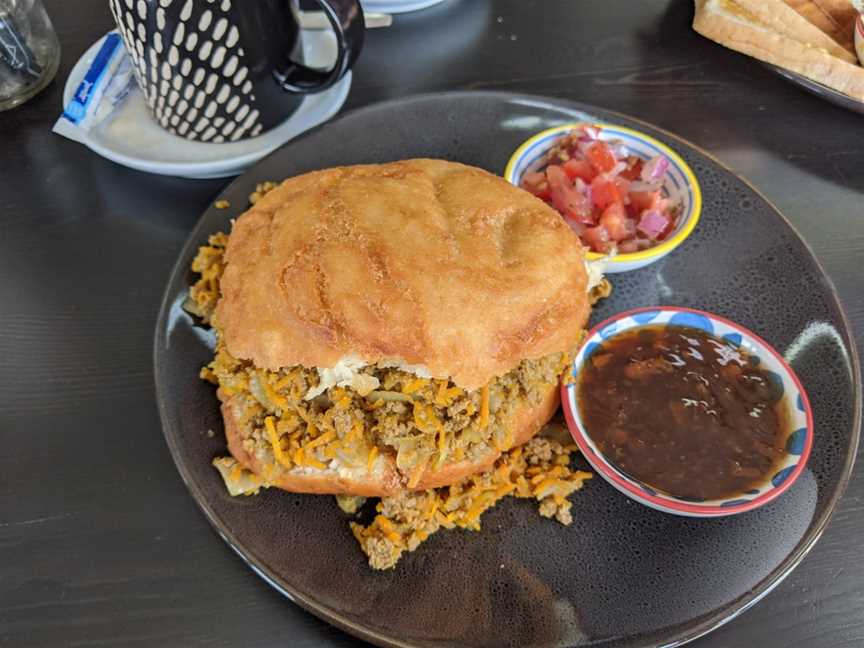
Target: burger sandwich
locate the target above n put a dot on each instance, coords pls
(385, 329)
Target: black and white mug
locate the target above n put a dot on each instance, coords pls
(224, 70)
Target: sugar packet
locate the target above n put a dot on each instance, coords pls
(107, 82)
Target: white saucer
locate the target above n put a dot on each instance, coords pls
(397, 6)
(131, 136)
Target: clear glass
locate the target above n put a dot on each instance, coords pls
(29, 51)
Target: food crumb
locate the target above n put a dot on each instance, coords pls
(260, 190)
(210, 434)
(350, 503)
(222, 204)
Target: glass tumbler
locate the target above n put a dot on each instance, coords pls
(29, 51)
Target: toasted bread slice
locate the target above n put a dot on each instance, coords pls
(783, 19)
(842, 12)
(835, 18)
(383, 478)
(737, 28)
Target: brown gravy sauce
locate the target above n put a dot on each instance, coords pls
(683, 411)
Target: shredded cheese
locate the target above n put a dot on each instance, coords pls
(414, 385)
(385, 524)
(439, 395)
(276, 443)
(282, 383)
(442, 441)
(330, 450)
(544, 484)
(355, 432)
(279, 401)
(425, 418)
(473, 515)
(442, 448)
(312, 461)
(327, 437)
(445, 396)
(298, 457)
(358, 531)
(506, 489)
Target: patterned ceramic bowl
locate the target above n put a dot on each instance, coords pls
(798, 443)
(680, 184)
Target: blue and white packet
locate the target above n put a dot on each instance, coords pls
(106, 84)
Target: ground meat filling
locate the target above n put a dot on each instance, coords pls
(540, 470)
(425, 423)
(209, 264)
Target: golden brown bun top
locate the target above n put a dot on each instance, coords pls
(424, 261)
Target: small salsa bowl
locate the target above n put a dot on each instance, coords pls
(800, 418)
(680, 184)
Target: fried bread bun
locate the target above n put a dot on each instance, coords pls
(392, 327)
(421, 262)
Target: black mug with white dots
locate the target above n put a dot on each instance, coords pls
(225, 70)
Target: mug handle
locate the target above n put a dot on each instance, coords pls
(346, 18)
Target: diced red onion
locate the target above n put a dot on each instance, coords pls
(654, 168)
(624, 187)
(617, 169)
(583, 188)
(652, 223)
(619, 149)
(584, 145)
(576, 227)
(588, 133)
(641, 186)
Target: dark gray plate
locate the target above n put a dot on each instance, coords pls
(814, 87)
(622, 574)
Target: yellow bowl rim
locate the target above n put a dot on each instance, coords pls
(666, 246)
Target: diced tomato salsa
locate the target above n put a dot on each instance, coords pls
(610, 198)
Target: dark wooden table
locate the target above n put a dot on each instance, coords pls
(100, 544)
